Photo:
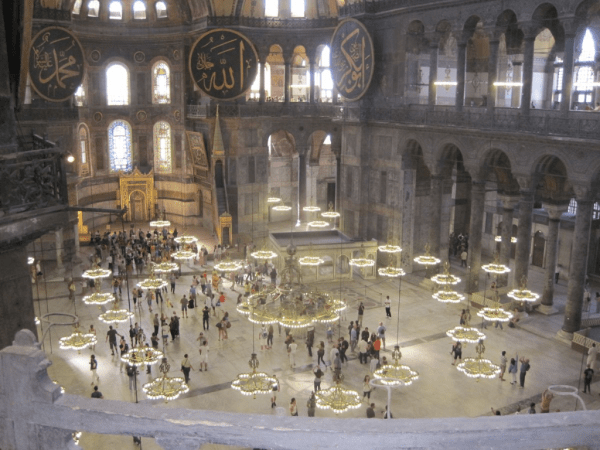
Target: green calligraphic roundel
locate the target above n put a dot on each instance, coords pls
(56, 64)
(223, 64)
(352, 59)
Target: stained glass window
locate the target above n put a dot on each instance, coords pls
(80, 96)
(93, 8)
(117, 85)
(77, 7)
(161, 9)
(161, 92)
(162, 147)
(271, 8)
(119, 146)
(298, 7)
(139, 10)
(83, 150)
(115, 10)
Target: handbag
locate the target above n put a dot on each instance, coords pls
(228, 325)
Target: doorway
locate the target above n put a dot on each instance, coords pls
(331, 194)
(539, 245)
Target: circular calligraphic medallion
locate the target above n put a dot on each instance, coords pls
(139, 57)
(352, 59)
(223, 64)
(56, 64)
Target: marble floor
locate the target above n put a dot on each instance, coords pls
(441, 390)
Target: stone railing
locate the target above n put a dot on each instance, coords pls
(34, 414)
(272, 22)
(268, 109)
(32, 179)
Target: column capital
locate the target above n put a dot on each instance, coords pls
(583, 193)
(526, 182)
(530, 30)
(509, 201)
(555, 210)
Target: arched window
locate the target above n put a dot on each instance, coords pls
(161, 85)
(115, 10)
(583, 77)
(271, 8)
(139, 10)
(77, 7)
(254, 93)
(162, 147)
(298, 7)
(84, 146)
(323, 79)
(80, 96)
(300, 85)
(117, 84)
(119, 146)
(161, 9)
(93, 8)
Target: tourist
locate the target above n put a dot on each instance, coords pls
(531, 408)
(457, 350)
(93, 368)
(111, 337)
(512, 369)
(367, 387)
(547, 397)
(388, 307)
(292, 353)
(92, 330)
(503, 361)
(381, 334)
(525, 366)
(371, 411)
(311, 404)
(276, 389)
(97, 393)
(363, 348)
(361, 311)
(204, 355)
(317, 381)
(293, 407)
(588, 374)
(186, 366)
(124, 349)
(592, 355)
(184, 306)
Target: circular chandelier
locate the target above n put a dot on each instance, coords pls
(186, 240)
(165, 267)
(139, 356)
(496, 267)
(254, 382)
(396, 374)
(282, 208)
(427, 259)
(30, 260)
(389, 248)
(228, 266)
(116, 315)
(362, 262)
(273, 200)
(523, 294)
(311, 209)
(310, 261)
(513, 239)
(446, 295)
(479, 367)
(392, 272)
(330, 214)
(98, 298)
(152, 283)
(165, 387)
(445, 279)
(263, 254)
(495, 314)
(318, 224)
(183, 254)
(96, 272)
(77, 341)
(160, 223)
(338, 399)
(465, 334)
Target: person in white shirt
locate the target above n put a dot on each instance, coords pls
(292, 353)
(388, 307)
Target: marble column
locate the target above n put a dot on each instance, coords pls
(16, 296)
(433, 63)
(554, 214)
(435, 213)
(262, 96)
(461, 67)
(76, 237)
(492, 75)
(508, 208)
(527, 76)
(287, 80)
(577, 268)
(408, 218)
(312, 83)
(524, 235)
(301, 183)
(338, 184)
(475, 235)
(567, 80)
(60, 247)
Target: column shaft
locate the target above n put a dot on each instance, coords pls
(524, 236)
(527, 77)
(59, 244)
(475, 234)
(567, 81)
(435, 213)
(551, 257)
(312, 83)
(287, 79)
(492, 76)
(262, 96)
(433, 63)
(578, 267)
(301, 183)
(461, 63)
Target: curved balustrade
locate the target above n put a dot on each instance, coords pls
(34, 414)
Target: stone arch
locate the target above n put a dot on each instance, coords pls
(546, 16)
(450, 157)
(496, 166)
(551, 179)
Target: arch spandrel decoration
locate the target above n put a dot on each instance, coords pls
(223, 64)
(352, 59)
(141, 184)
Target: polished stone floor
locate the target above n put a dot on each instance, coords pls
(441, 391)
